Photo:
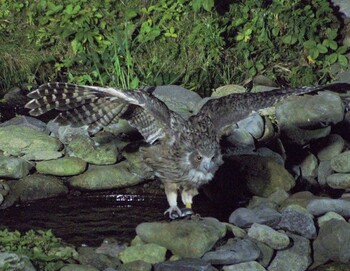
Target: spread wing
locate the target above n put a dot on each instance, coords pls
(97, 107)
(226, 111)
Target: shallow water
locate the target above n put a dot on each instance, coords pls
(91, 217)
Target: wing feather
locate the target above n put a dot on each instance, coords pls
(99, 106)
(228, 110)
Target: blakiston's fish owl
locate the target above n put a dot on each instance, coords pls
(185, 154)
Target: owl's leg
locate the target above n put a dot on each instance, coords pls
(187, 195)
(171, 195)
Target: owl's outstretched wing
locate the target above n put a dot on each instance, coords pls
(98, 106)
(226, 111)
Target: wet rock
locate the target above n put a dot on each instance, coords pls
(248, 266)
(66, 166)
(184, 264)
(332, 243)
(137, 165)
(38, 186)
(324, 170)
(269, 236)
(92, 152)
(328, 216)
(66, 133)
(106, 177)
(26, 121)
(243, 217)
(235, 251)
(4, 190)
(296, 258)
(88, 256)
(339, 180)
(149, 253)
(28, 143)
(187, 239)
(321, 206)
(331, 146)
(177, 98)
(135, 266)
(78, 267)
(264, 175)
(298, 220)
(14, 168)
(13, 261)
(341, 162)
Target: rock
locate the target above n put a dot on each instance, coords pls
(310, 112)
(332, 243)
(186, 238)
(92, 152)
(328, 216)
(300, 198)
(295, 258)
(235, 251)
(78, 267)
(135, 266)
(110, 247)
(227, 90)
(185, 265)
(177, 98)
(12, 261)
(14, 168)
(66, 166)
(266, 254)
(321, 206)
(309, 167)
(149, 253)
(248, 266)
(297, 219)
(137, 165)
(66, 133)
(330, 147)
(243, 217)
(26, 121)
(237, 231)
(106, 177)
(263, 175)
(324, 170)
(38, 186)
(120, 127)
(28, 143)
(88, 256)
(339, 180)
(298, 136)
(341, 162)
(268, 236)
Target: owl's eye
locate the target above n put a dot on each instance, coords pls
(199, 158)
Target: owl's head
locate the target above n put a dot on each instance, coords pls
(203, 162)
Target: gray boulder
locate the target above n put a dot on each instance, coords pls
(28, 143)
(106, 177)
(243, 217)
(14, 168)
(187, 238)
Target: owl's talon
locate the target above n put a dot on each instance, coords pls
(174, 212)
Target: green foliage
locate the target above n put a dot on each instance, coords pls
(131, 43)
(295, 41)
(42, 247)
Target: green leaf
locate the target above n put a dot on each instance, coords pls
(275, 31)
(343, 61)
(309, 44)
(287, 39)
(314, 53)
(259, 66)
(208, 4)
(332, 58)
(322, 49)
(196, 4)
(342, 50)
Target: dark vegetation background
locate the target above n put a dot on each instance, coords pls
(198, 44)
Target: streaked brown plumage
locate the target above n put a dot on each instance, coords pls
(184, 153)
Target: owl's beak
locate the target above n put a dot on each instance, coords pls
(206, 163)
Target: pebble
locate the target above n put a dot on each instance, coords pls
(341, 162)
(244, 217)
(248, 266)
(319, 207)
(328, 216)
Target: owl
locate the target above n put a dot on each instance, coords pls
(184, 153)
